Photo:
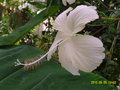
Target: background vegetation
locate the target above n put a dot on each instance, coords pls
(18, 39)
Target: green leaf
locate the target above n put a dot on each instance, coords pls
(87, 3)
(53, 6)
(115, 14)
(5, 0)
(49, 76)
(38, 5)
(1, 0)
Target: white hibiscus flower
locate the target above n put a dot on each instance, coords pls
(76, 53)
(83, 52)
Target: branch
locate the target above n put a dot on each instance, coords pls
(113, 45)
(114, 10)
(108, 18)
(99, 30)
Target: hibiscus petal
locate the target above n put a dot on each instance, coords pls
(54, 45)
(64, 2)
(80, 16)
(71, 1)
(60, 21)
(83, 52)
(64, 53)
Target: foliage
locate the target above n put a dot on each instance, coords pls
(49, 76)
(17, 28)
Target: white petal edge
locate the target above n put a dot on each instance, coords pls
(80, 16)
(64, 2)
(60, 21)
(54, 45)
(71, 1)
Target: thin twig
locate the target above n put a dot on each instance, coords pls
(103, 4)
(99, 30)
(114, 10)
(113, 45)
(108, 18)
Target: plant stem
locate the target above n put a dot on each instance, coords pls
(108, 18)
(99, 30)
(113, 45)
